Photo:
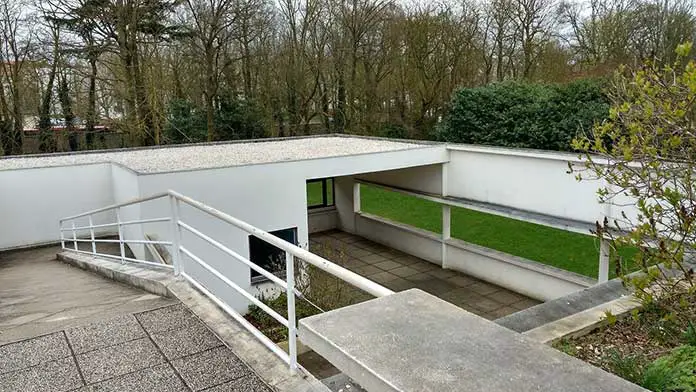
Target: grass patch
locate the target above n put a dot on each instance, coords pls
(559, 248)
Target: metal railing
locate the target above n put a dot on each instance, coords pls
(177, 250)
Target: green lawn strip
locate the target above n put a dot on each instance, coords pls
(562, 249)
(559, 248)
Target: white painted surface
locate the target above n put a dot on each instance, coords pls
(526, 277)
(33, 200)
(322, 219)
(125, 188)
(422, 178)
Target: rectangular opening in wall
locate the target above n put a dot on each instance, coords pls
(320, 193)
(268, 256)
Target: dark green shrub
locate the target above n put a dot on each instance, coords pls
(185, 123)
(675, 372)
(528, 115)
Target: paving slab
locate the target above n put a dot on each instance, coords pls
(379, 344)
(118, 360)
(244, 384)
(167, 318)
(27, 353)
(54, 376)
(178, 343)
(104, 333)
(161, 378)
(210, 368)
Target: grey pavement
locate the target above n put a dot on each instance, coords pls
(399, 271)
(165, 349)
(40, 295)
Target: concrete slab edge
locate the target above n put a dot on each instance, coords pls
(584, 322)
(253, 353)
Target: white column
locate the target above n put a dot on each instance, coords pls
(356, 197)
(446, 231)
(446, 216)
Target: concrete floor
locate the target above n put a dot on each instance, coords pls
(40, 295)
(72, 330)
(399, 271)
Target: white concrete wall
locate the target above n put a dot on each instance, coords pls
(526, 277)
(322, 219)
(125, 188)
(422, 178)
(33, 200)
(528, 180)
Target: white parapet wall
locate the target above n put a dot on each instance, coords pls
(33, 200)
(536, 280)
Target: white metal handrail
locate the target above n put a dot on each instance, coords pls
(177, 250)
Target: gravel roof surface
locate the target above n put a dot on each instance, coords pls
(157, 160)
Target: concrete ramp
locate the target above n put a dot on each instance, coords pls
(414, 342)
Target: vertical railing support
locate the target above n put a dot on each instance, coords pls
(74, 235)
(91, 234)
(62, 234)
(176, 234)
(604, 250)
(446, 231)
(292, 323)
(120, 236)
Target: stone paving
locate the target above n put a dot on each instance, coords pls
(166, 349)
(399, 271)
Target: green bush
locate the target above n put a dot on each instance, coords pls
(675, 372)
(527, 115)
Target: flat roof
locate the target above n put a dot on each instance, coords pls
(162, 159)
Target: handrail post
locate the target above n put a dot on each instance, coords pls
(176, 234)
(62, 235)
(74, 235)
(292, 323)
(604, 252)
(120, 236)
(91, 233)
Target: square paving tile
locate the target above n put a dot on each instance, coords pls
(210, 368)
(462, 280)
(104, 333)
(367, 270)
(407, 260)
(167, 318)
(399, 284)
(502, 312)
(161, 378)
(484, 288)
(373, 259)
(507, 297)
(383, 277)
(441, 273)
(118, 360)
(484, 303)
(54, 376)
(31, 352)
(424, 266)
(244, 384)
(387, 265)
(186, 341)
(403, 271)
(434, 286)
(421, 276)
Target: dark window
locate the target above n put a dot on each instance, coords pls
(268, 256)
(320, 193)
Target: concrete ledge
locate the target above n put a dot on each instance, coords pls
(266, 364)
(412, 341)
(584, 322)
